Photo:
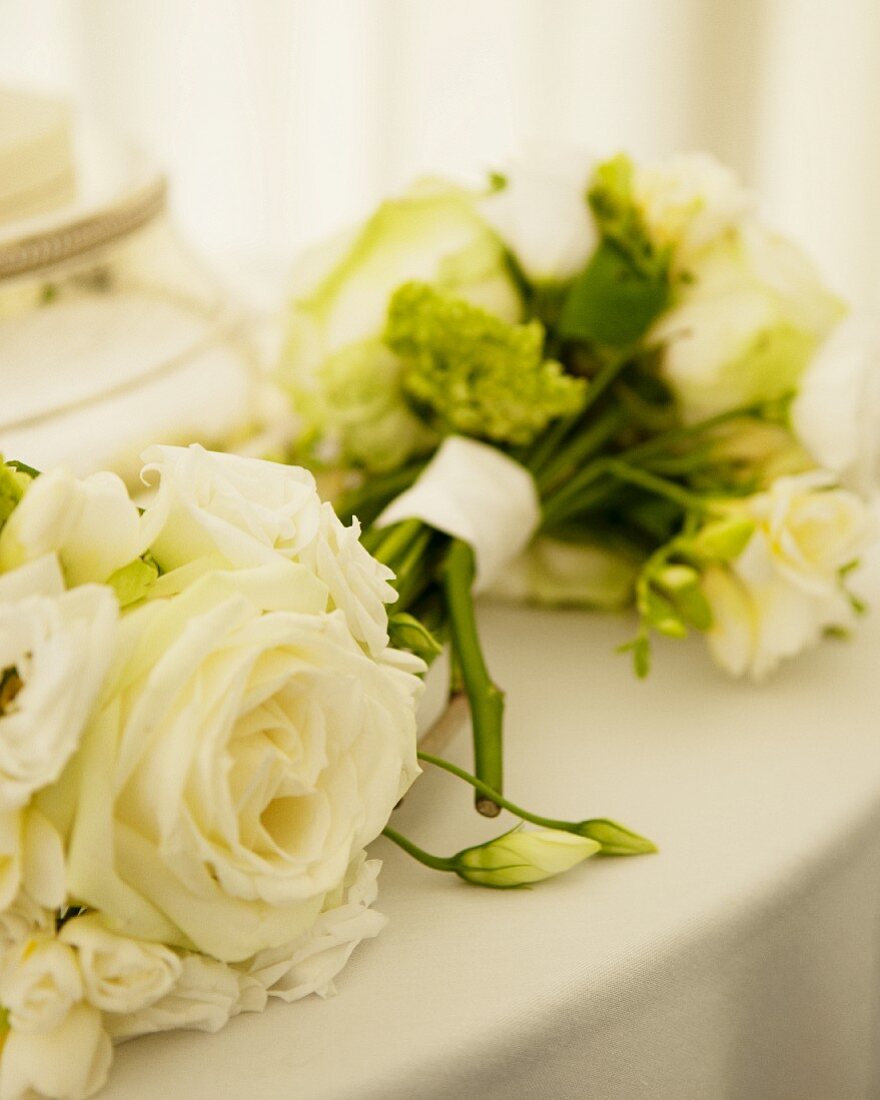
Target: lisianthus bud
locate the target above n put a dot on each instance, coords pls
(519, 858)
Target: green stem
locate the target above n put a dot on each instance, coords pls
(657, 485)
(616, 839)
(493, 795)
(485, 697)
(436, 863)
(583, 447)
(396, 544)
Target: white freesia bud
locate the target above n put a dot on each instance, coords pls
(521, 857)
(91, 524)
(40, 982)
(55, 648)
(542, 214)
(746, 326)
(784, 589)
(249, 749)
(688, 202)
(70, 1062)
(836, 414)
(204, 997)
(309, 964)
(248, 512)
(119, 974)
(23, 920)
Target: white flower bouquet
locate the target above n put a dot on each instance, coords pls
(594, 383)
(202, 726)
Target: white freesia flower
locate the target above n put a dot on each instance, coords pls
(205, 996)
(39, 984)
(745, 328)
(836, 414)
(248, 749)
(119, 974)
(247, 512)
(91, 524)
(70, 1062)
(55, 647)
(784, 590)
(542, 214)
(309, 964)
(688, 202)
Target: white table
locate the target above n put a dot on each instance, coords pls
(741, 962)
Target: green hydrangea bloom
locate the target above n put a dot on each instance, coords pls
(479, 375)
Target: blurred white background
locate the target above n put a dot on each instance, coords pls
(279, 120)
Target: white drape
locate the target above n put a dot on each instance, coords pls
(282, 119)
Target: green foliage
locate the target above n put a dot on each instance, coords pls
(408, 633)
(13, 482)
(132, 581)
(477, 374)
(626, 284)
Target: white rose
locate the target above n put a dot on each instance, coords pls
(542, 213)
(247, 512)
(204, 997)
(249, 749)
(309, 964)
(836, 414)
(119, 974)
(689, 201)
(39, 984)
(55, 648)
(784, 589)
(69, 1063)
(746, 326)
(92, 525)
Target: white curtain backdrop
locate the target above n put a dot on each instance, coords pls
(279, 120)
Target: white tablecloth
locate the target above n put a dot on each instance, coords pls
(740, 963)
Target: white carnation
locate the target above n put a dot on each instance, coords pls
(246, 512)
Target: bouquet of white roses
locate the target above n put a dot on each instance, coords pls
(602, 383)
(202, 726)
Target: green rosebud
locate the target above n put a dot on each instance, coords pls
(519, 858)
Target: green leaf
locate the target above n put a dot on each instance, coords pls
(132, 581)
(406, 632)
(612, 303)
(640, 648)
(13, 483)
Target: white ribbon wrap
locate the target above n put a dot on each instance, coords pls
(473, 492)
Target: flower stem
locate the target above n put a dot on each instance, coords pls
(485, 697)
(436, 863)
(658, 485)
(615, 839)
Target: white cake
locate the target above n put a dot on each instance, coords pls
(36, 155)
